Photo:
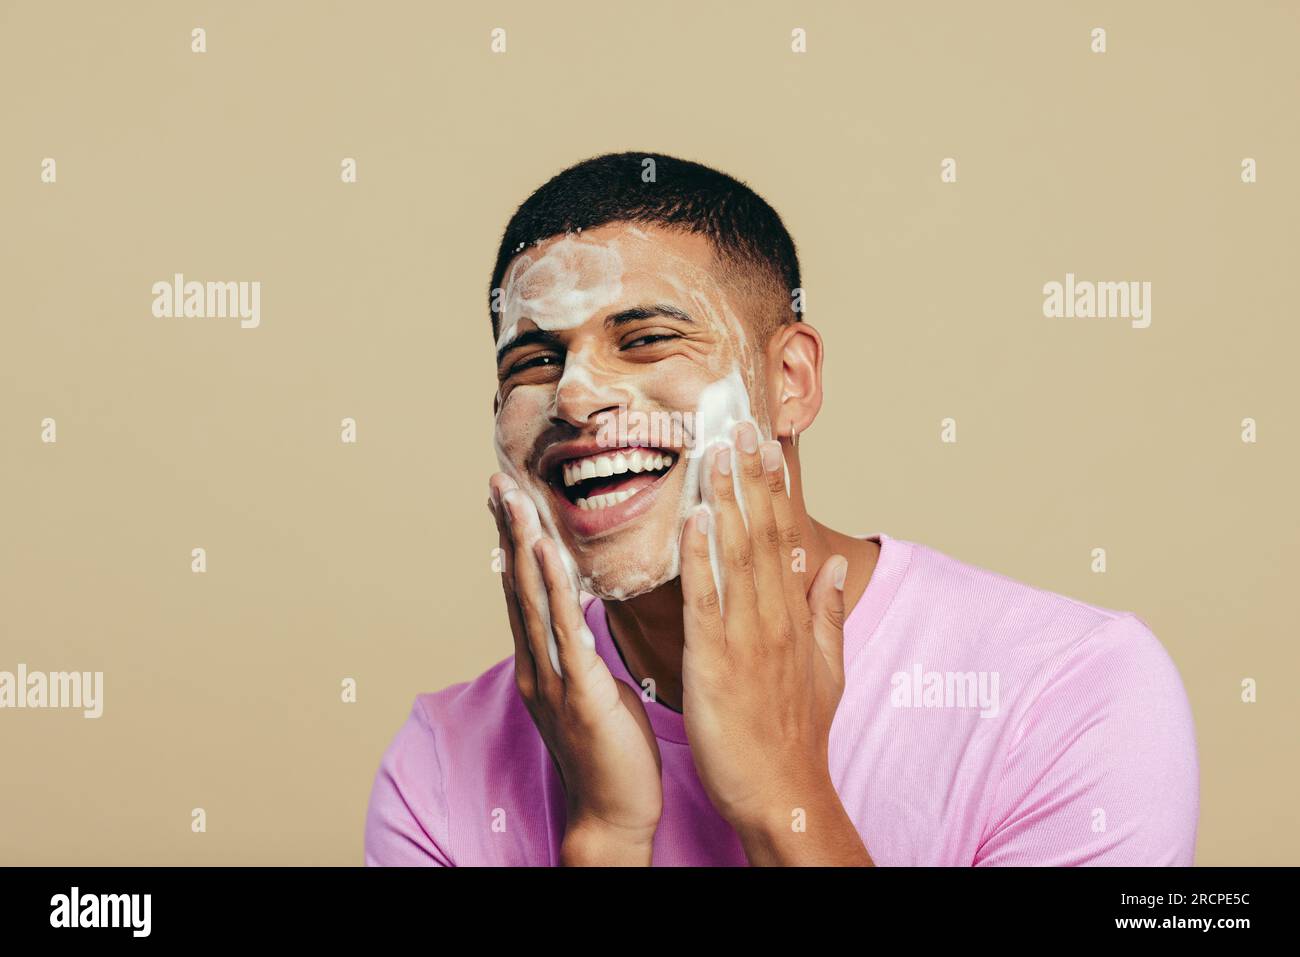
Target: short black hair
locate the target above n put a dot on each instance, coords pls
(747, 235)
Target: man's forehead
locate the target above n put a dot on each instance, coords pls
(647, 251)
(576, 280)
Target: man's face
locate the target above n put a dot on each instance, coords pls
(621, 360)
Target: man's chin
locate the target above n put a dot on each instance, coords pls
(629, 585)
(620, 574)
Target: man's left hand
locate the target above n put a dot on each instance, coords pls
(763, 666)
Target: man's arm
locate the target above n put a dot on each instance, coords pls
(826, 837)
(590, 845)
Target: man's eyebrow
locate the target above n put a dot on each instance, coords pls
(527, 339)
(617, 319)
(612, 321)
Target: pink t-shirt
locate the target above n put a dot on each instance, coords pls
(983, 722)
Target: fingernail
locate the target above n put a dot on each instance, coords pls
(509, 499)
(837, 577)
(747, 438)
(771, 456)
(724, 460)
(701, 521)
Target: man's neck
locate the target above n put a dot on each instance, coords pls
(648, 630)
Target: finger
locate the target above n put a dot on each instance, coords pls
(525, 664)
(505, 539)
(575, 645)
(733, 554)
(826, 602)
(764, 537)
(525, 528)
(701, 611)
(794, 578)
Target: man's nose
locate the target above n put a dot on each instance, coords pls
(581, 394)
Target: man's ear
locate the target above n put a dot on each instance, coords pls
(795, 387)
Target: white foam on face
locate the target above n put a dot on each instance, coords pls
(561, 289)
(722, 406)
(576, 374)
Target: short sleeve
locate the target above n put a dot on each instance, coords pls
(406, 822)
(1101, 768)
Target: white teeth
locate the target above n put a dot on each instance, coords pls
(605, 501)
(603, 466)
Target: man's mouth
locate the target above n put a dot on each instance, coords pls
(602, 490)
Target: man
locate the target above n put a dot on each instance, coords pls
(748, 685)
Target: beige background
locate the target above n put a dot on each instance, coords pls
(372, 561)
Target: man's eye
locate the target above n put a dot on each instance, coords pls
(535, 362)
(648, 340)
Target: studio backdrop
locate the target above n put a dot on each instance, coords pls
(265, 525)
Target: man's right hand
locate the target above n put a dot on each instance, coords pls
(594, 725)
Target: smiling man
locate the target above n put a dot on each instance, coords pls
(705, 674)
